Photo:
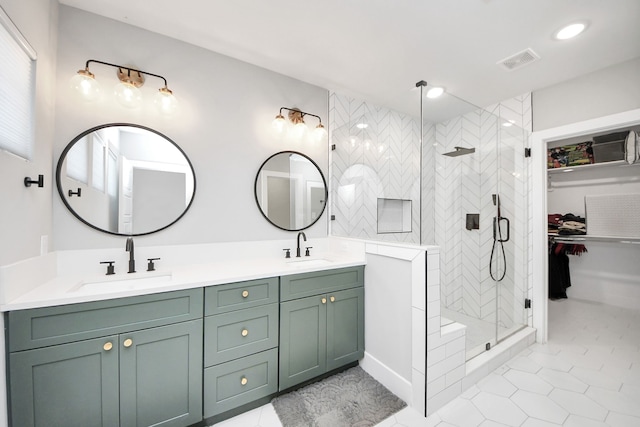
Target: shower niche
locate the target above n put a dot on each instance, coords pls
(394, 216)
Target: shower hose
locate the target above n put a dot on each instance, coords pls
(498, 240)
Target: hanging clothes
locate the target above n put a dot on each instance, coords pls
(559, 276)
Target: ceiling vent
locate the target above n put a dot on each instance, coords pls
(519, 60)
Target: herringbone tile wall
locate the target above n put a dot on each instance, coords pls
(382, 160)
(464, 185)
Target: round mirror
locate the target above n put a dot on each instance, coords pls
(291, 191)
(125, 179)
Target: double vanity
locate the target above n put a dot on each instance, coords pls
(184, 349)
(190, 340)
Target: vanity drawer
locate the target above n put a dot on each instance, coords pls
(240, 333)
(318, 282)
(40, 327)
(232, 384)
(237, 296)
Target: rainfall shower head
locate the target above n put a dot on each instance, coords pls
(460, 151)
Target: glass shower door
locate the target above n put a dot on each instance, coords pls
(512, 213)
(478, 168)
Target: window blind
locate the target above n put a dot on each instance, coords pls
(17, 90)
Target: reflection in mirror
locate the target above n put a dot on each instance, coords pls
(125, 179)
(291, 191)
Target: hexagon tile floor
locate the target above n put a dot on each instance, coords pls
(587, 375)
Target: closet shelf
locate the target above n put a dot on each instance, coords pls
(588, 238)
(569, 169)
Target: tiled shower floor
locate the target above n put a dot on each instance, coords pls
(588, 374)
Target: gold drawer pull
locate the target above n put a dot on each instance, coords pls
(107, 346)
(333, 299)
(128, 342)
(244, 381)
(245, 332)
(324, 300)
(245, 294)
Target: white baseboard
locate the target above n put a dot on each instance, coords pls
(398, 385)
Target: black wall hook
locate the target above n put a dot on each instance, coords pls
(28, 181)
(77, 193)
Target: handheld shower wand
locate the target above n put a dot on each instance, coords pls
(498, 239)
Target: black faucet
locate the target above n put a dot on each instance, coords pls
(305, 239)
(132, 261)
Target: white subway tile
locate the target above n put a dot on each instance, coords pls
(436, 386)
(442, 398)
(433, 261)
(433, 277)
(456, 346)
(436, 355)
(455, 375)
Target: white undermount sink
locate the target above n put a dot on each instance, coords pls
(123, 283)
(304, 263)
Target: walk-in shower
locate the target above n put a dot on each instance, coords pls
(479, 168)
(444, 166)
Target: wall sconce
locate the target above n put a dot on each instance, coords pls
(297, 131)
(127, 91)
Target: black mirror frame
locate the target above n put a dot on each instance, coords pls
(324, 181)
(63, 155)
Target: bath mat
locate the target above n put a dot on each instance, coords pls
(349, 399)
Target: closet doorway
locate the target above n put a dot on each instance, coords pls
(619, 287)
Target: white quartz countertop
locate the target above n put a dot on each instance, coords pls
(71, 289)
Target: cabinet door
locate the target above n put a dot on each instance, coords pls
(345, 327)
(67, 385)
(161, 376)
(303, 339)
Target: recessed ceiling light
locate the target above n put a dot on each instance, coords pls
(435, 92)
(570, 31)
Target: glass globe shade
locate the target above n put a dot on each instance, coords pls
(278, 124)
(165, 101)
(128, 95)
(297, 133)
(85, 85)
(320, 133)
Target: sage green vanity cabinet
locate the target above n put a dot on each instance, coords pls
(73, 384)
(144, 367)
(240, 344)
(321, 323)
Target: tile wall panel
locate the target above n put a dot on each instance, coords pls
(383, 160)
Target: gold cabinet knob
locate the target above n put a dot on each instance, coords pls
(244, 381)
(332, 299)
(324, 300)
(245, 294)
(107, 346)
(245, 332)
(128, 342)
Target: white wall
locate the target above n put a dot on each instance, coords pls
(612, 90)
(226, 109)
(26, 212)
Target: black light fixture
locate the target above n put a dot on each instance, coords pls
(126, 91)
(298, 130)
